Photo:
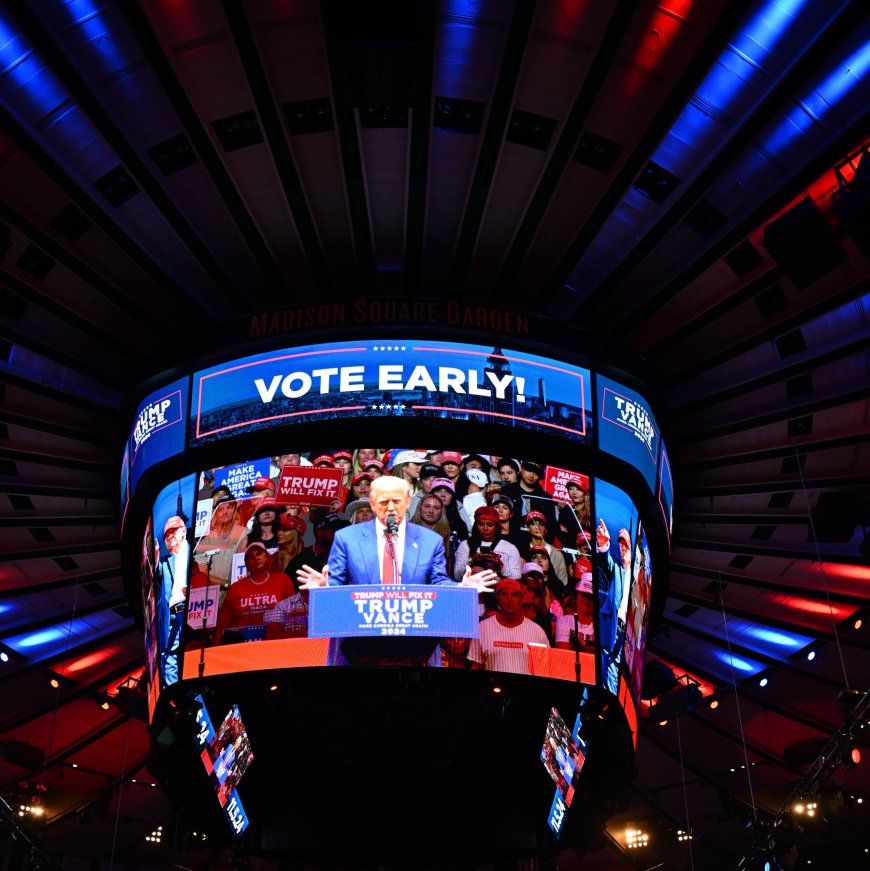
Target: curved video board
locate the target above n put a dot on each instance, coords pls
(405, 378)
(518, 490)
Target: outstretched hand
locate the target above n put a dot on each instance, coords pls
(309, 578)
(482, 581)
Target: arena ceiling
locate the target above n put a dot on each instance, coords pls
(688, 179)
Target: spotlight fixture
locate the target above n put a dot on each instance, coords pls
(636, 838)
(850, 753)
(683, 699)
(763, 682)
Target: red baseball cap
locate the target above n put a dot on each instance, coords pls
(290, 521)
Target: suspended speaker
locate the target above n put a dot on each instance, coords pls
(803, 243)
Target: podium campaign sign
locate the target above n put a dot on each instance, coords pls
(408, 610)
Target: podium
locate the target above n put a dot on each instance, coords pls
(390, 624)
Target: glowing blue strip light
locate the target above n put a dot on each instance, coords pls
(738, 663)
(759, 54)
(89, 19)
(741, 67)
(37, 639)
(812, 108)
(779, 639)
(55, 639)
(457, 47)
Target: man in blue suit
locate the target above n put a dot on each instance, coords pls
(361, 554)
(387, 550)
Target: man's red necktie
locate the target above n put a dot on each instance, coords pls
(388, 575)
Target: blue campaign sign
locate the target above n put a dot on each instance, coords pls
(438, 611)
(159, 429)
(627, 428)
(395, 378)
(236, 815)
(558, 810)
(240, 476)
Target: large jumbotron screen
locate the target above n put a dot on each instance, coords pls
(224, 542)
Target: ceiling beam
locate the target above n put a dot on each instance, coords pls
(79, 650)
(202, 143)
(51, 551)
(65, 697)
(89, 206)
(77, 267)
(777, 486)
(606, 55)
(71, 749)
(802, 448)
(808, 554)
(687, 83)
(766, 619)
(766, 584)
(740, 649)
(282, 156)
(745, 692)
(29, 422)
(418, 154)
(32, 588)
(491, 143)
(776, 101)
(11, 631)
(52, 52)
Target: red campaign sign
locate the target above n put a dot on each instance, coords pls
(305, 485)
(555, 479)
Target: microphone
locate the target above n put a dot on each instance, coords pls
(392, 525)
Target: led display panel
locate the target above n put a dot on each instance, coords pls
(226, 755)
(159, 430)
(666, 494)
(125, 484)
(148, 566)
(468, 512)
(171, 513)
(637, 618)
(627, 428)
(615, 531)
(427, 379)
(563, 754)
